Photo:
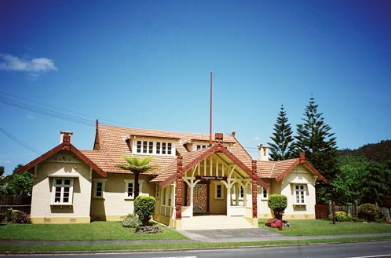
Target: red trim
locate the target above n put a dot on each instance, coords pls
(60, 147)
(301, 160)
(204, 155)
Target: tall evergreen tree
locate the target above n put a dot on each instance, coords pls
(282, 146)
(314, 137)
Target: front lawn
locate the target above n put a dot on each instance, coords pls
(74, 232)
(325, 227)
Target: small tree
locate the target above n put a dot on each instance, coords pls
(278, 203)
(137, 166)
(144, 207)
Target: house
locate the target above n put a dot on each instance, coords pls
(200, 180)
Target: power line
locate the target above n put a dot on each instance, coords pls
(14, 138)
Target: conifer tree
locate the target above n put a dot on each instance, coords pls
(314, 137)
(282, 146)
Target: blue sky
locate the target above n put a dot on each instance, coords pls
(147, 64)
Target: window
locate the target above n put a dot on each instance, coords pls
(300, 192)
(157, 191)
(201, 146)
(62, 190)
(219, 191)
(151, 147)
(241, 192)
(99, 188)
(129, 188)
(263, 193)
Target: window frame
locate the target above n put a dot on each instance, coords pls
(262, 191)
(219, 193)
(300, 192)
(131, 181)
(62, 187)
(95, 188)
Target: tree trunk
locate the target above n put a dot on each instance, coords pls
(136, 188)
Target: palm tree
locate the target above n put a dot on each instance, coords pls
(137, 166)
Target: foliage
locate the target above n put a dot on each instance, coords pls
(16, 216)
(314, 137)
(278, 203)
(341, 216)
(20, 184)
(379, 152)
(282, 146)
(137, 166)
(347, 182)
(375, 183)
(368, 211)
(2, 170)
(131, 221)
(274, 223)
(144, 207)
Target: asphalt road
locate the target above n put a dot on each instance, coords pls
(379, 249)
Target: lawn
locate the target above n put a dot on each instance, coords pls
(75, 232)
(325, 227)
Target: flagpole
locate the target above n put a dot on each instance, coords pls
(210, 110)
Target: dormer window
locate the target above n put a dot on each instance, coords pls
(154, 147)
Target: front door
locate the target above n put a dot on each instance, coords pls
(200, 198)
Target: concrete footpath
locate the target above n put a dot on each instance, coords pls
(200, 236)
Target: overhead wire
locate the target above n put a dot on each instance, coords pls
(17, 140)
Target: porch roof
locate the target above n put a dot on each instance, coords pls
(191, 159)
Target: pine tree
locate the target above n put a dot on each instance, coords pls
(320, 147)
(282, 146)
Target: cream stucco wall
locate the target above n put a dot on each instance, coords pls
(61, 165)
(115, 204)
(299, 175)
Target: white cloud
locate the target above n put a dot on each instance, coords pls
(30, 117)
(37, 65)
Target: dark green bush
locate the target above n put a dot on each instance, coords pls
(144, 207)
(368, 212)
(278, 203)
(131, 221)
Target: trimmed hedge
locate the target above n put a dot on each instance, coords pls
(144, 207)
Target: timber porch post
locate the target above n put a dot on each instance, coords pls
(178, 189)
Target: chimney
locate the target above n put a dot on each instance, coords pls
(65, 137)
(263, 153)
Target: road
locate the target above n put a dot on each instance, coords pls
(380, 249)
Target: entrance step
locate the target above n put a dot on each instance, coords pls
(214, 222)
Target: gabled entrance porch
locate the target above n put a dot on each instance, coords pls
(210, 182)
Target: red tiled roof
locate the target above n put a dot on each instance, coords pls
(279, 169)
(112, 146)
(64, 147)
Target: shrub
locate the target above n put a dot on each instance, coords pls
(274, 223)
(144, 207)
(131, 221)
(341, 216)
(368, 211)
(16, 216)
(277, 203)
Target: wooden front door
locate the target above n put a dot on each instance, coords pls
(200, 198)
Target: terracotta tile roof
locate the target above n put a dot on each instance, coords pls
(111, 145)
(279, 169)
(273, 169)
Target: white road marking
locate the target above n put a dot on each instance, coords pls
(372, 256)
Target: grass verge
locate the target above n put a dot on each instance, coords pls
(325, 227)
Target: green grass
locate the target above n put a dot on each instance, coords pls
(115, 231)
(74, 232)
(325, 227)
